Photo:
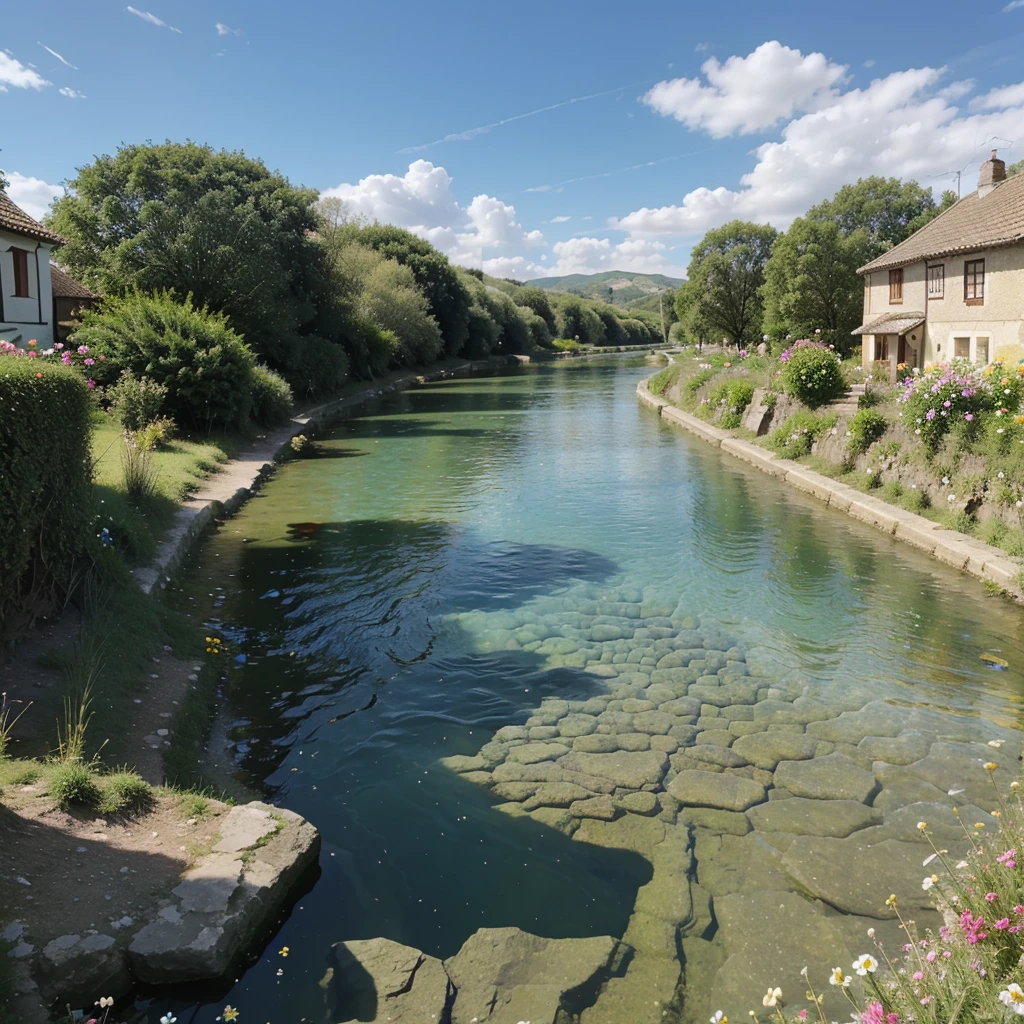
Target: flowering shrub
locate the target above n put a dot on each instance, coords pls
(812, 374)
(795, 437)
(76, 356)
(971, 971)
(787, 353)
(942, 396)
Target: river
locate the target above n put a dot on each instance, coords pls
(462, 553)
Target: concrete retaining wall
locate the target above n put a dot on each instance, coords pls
(956, 549)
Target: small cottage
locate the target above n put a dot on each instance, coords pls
(26, 297)
(954, 289)
(70, 297)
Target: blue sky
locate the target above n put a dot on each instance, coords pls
(536, 137)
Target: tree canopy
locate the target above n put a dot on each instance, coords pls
(218, 226)
(722, 295)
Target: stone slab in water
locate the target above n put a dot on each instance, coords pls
(833, 777)
(711, 789)
(767, 749)
(504, 975)
(856, 875)
(768, 937)
(806, 817)
(378, 981)
(628, 769)
(244, 826)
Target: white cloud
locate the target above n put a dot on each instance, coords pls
(14, 73)
(72, 94)
(748, 94)
(54, 53)
(1012, 6)
(869, 63)
(226, 30)
(518, 267)
(422, 201)
(33, 195)
(701, 47)
(560, 219)
(593, 255)
(152, 19)
(900, 125)
(996, 99)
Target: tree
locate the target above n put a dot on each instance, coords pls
(885, 208)
(448, 297)
(725, 275)
(1015, 168)
(218, 226)
(811, 281)
(576, 319)
(688, 315)
(537, 300)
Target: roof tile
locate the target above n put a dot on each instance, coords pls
(974, 223)
(17, 221)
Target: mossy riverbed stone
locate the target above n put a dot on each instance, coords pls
(709, 789)
(833, 777)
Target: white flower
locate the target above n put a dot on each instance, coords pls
(773, 996)
(1013, 997)
(838, 978)
(1000, 474)
(168, 1018)
(951, 497)
(945, 479)
(929, 882)
(1020, 504)
(996, 743)
(871, 933)
(719, 1018)
(928, 859)
(104, 1001)
(865, 964)
(1000, 431)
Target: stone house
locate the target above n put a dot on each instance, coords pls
(26, 296)
(954, 289)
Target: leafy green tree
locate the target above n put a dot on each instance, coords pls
(537, 300)
(887, 209)
(576, 319)
(1015, 168)
(448, 297)
(725, 275)
(215, 225)
(811, 282)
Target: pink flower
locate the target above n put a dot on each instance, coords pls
(88, 362)
(930, 957)
(58, 345)
(103, 358)
(873, 1014)
(1019, 909)
(83, 349)
(1008, 856)
(1003, 923)
(90, 383)
(33, 354)
(892, 1018)
(972, 927)
(968, 416)
(65, 358)
(991, 897)
(918, 975)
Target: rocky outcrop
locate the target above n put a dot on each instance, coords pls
(500, 976)
(229, 897)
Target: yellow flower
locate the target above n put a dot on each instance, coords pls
(283, 951)
(1015, 785)
(230, 1013)
(991, 766)
(979, 824)
(891, 901)
(922, 825)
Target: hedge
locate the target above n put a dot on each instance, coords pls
(45, 491)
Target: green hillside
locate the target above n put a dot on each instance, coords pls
(617, 287)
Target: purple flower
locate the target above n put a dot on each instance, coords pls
(89, 362)
(82, 349)
(968, 416)
(930, 414)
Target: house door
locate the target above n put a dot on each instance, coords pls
(901, 353)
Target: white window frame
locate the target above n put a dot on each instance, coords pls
(940, 279)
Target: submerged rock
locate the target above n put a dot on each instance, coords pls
(833, 777)
(710, 789)
(805, 817)
(504, 975)
(627, 769)
(384, 982)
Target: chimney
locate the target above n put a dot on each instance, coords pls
(992, 172)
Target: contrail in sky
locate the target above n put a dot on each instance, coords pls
(472, 133)
(54, 53)
(558, 185)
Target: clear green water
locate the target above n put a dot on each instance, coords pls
(373, 590)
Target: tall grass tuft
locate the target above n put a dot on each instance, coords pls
(7, 723)
(139, 472)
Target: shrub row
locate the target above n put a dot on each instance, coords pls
(45, 475)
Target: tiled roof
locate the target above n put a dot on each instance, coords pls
(17, 221)
(974, 223)
(66, 287)
(892, 323)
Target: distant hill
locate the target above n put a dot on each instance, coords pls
(618, 287)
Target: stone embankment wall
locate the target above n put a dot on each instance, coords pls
(956, 549)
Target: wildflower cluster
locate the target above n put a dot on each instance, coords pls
(787, 354)
(970, 971)
(68, 355)
(958, 393)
